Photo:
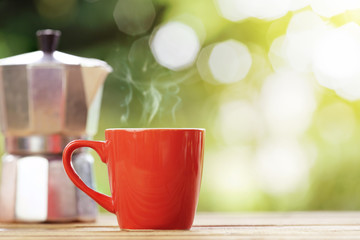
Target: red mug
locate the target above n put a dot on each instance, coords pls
(154, 175)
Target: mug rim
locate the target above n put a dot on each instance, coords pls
(152, 129)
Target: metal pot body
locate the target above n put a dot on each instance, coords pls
(36, 189)
(49, 100)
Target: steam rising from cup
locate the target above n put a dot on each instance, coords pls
(144, 80)
(150, 72)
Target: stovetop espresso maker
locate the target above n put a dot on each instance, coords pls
(47, 99)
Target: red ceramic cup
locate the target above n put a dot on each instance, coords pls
(154, 175)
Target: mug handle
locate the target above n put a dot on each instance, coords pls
(99, 146)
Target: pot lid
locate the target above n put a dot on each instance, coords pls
(48, 40)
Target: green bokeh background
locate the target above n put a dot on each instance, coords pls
(89, 30)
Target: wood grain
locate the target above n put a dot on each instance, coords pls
(294, 225)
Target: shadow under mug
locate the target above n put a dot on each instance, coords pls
(154, 175)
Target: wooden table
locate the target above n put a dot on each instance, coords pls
(298, 225)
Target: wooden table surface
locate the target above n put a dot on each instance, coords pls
(296, 225)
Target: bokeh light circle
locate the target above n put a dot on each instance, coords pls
(331, 8)
(237, 10)
(282, 166)
(230, 176)
(232, 9)
(134, 17)
(239, 122)
(288, 102)
(336, 60)
(225, 62)
(277, 53)
(303, 30)
(175, 45)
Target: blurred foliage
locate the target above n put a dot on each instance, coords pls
(158, 97)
